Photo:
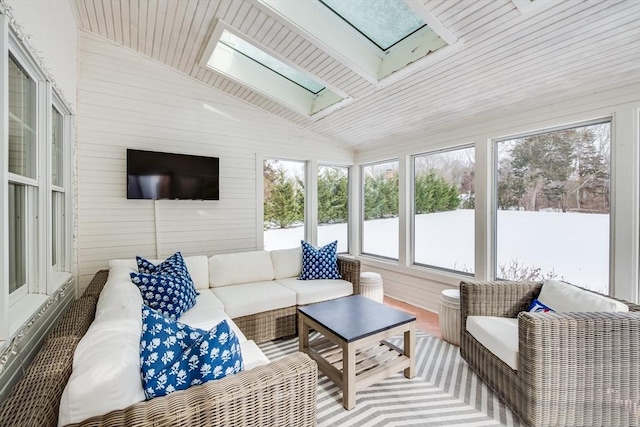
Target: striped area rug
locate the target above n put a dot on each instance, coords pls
(444, 392)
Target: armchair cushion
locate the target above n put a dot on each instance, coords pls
(499, 335)
(563, 297)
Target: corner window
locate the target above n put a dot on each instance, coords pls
(333, 206)
(443, 209)
(553, 207)
(284, 194)
(58, 217)
(380, 232)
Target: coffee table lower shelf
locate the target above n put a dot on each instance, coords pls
(355, 365)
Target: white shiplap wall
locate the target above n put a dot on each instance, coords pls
(127, 100)
(620, 101)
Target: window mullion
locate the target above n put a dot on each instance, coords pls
(4, 167)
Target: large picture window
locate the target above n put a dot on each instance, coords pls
(284, 195)
(553, 206)
(443, 209)
(333, 206)
(380, 232)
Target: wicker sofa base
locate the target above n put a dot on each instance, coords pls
(269, 325)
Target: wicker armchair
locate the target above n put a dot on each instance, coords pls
(575, 369)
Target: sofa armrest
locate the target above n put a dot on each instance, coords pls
(501, 298)
(349, 269)
(585, 363)
(280, 393)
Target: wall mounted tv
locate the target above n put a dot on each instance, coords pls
(154, 175)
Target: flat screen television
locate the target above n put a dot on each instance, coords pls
(154, 175)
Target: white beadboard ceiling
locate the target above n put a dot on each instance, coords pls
(508, 53)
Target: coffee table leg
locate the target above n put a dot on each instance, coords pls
(349, 376)
(410, 350)
(303, 335)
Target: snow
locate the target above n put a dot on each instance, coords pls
(574, 246)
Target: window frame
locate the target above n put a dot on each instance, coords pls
(349, 205)
(412, 209)
(363, 205)
(493, 202)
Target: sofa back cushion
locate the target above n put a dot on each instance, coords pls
(244, 267)
(197, 265)
(287, 262)
(563, 297)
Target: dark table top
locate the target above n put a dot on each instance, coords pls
(355, 317)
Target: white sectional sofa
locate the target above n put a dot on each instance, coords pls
(256, 292)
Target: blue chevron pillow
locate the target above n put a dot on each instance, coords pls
(174, 356)
(319, 263)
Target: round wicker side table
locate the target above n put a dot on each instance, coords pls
(371, 286)
(449, 316)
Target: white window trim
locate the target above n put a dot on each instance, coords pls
(412, 212)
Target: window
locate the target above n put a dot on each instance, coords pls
(333, 206)
(284, 194)
(380, 232)
(383, 22)
(23, 184)
(553, 206)
(443, 209)
(58, 216)
(254, 67)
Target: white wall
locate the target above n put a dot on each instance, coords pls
(52, 30)
(621, 101)
(126, 100)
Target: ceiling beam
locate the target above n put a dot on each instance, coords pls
(522, 5)
(432, 21)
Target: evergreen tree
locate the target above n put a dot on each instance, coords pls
(282, 208)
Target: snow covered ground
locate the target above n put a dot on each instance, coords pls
(574, 246)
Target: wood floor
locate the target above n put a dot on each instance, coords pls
(427, 321)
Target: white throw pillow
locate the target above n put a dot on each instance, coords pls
(563, 297)
(243, 267)
(287, 262)
(198, 266)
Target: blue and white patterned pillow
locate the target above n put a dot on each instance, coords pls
(170, 294)
(538, 307)
(175, 356)
(173, 265)
(319, 263)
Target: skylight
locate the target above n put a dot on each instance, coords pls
(384, 22)
(268, 61)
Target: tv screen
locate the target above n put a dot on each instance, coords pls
(154, 175)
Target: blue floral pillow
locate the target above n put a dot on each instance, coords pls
(173, 265)
(538, 307)
(174, 356)
(170, 294)
(319, 263)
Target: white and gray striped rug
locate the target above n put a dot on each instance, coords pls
(445, 392)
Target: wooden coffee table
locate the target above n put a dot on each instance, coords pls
(352, 351)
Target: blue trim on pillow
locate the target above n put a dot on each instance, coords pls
(538, 307)
(175, 356)
(319, 263)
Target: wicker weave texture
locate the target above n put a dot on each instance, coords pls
(96, 284)
(268, 325)
(77, 319)
(575, 369)
(349, 269)
(35, 400)
(282, 393)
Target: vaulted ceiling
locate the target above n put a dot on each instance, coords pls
(502, 53)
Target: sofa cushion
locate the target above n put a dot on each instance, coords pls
(252, 356)
(563, 297)
(287, 262)
(106, 368)
(197, 265)
(311, 291)
(171, 294)
(251, 298)
(175, 356)
(499, 335)
(245, 267)
(207, 313)
(319, 263)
